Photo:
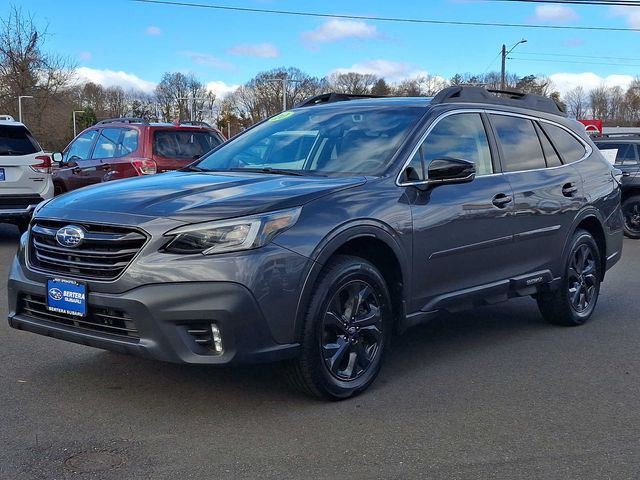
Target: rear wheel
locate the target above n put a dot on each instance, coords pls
(573, 303)
(58, 189)
(345, 331)
(631, 212)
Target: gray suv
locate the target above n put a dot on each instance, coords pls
(320, 232)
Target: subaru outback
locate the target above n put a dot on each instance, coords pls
(317, 234)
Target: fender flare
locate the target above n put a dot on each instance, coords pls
(587, 212)
(332, 242)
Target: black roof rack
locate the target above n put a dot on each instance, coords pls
(195, 123)
(332, 97)
(123, 120)
(499, 97)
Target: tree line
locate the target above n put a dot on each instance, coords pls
(27, 68)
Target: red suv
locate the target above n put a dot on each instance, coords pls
(127, 147)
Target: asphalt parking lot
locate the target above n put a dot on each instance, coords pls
(492, 393)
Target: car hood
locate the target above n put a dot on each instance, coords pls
(194, 196)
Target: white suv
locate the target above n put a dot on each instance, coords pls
(25, 173)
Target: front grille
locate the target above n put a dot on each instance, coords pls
(98, 319)
(103, 254)
(19, 201)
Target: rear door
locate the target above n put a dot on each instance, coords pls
(18, 152)
(548, 190)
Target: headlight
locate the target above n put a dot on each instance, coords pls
(231, 235)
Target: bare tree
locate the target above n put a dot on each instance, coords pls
(577, 102)
(352, 82)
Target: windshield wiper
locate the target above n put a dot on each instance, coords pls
(192, 168)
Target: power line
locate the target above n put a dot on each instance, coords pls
(386, 19)
(574, 62)
(625, 3)
(571, 55)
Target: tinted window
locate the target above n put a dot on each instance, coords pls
(459, 136)
(16, 141)
(519, 142)
(550, 154)
(569, 148)
(183, 144)
(81, 147)
(625, 153)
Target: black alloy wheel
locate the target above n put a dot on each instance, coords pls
(574, 301)
(351, 331)
(582, 281)
(346, 329)
(631, 213)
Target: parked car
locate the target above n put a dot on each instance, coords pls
(129, 147)
(25, 173)
(315, 235)
(623, 149)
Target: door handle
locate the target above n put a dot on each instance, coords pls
(106, 166)
(569, 189)
(501, 200)
(626, 174)
(76, 170)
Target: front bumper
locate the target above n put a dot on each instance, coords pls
(162, 314)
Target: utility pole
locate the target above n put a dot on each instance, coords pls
(285, 83)
(75, 129)
(20, 106)
(504, 53)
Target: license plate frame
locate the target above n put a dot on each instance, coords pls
(67, 297)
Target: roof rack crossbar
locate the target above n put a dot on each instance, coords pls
(499, 97)
(123, 120)
(332, 97)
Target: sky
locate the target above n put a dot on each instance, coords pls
(131, 44)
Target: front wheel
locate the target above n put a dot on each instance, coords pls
(345, 332)
(631, 212)
(574, 302)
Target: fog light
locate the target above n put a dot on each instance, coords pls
(217, 338)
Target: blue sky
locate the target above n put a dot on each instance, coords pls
(132, 44)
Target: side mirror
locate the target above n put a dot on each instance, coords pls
(450, 170)
(57, 157)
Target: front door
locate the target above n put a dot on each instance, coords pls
(462, 234)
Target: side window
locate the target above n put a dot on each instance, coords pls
(81, 147)
(108, 143)
(129, 142)
(457, 136)
(550, 154)
(625, 153)
(570, 149)
(519, 141)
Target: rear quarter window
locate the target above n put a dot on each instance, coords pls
(16, 140)
(569, 147)
(184, 144)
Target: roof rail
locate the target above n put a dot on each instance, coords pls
(499, 97)
(194, 123)
(617, 135)
(332, 97)
(7, 118)
(123, 120)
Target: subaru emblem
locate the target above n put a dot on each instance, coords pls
(70, 236)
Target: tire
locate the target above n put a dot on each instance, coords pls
(631, 212)
(342, 350)
(574, 302)
(58, 189)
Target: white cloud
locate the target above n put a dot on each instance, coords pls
(262, 50)
(112, 78)
(337, 29)
(151, 30)
(630, 14)
(220, 88)
(84, 56)
(554, 14)
(209, 60)
(563, 82)
(391, 71)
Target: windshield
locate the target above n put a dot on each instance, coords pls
(356, 140)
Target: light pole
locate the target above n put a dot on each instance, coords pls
(285, 82)
(504, 62)
(20, 106)
(75, 130)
